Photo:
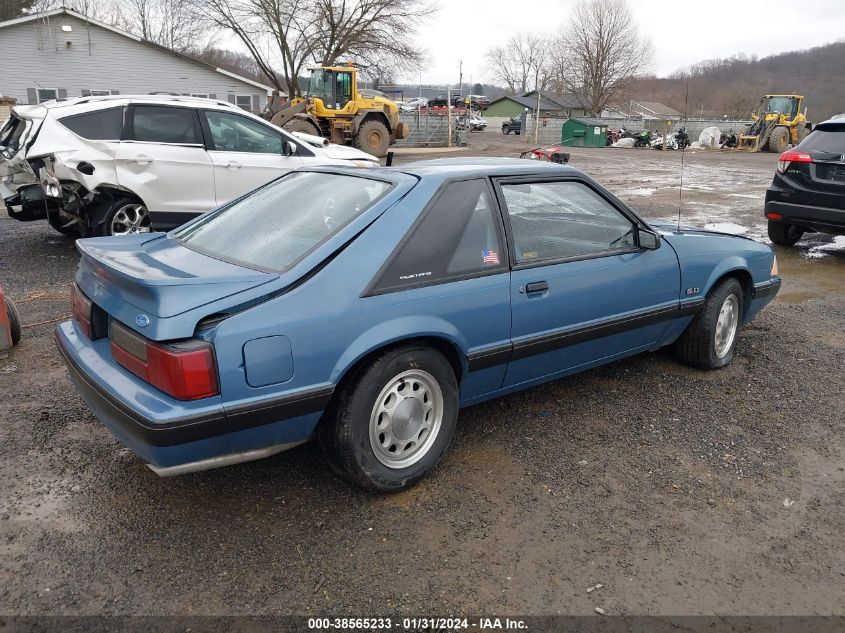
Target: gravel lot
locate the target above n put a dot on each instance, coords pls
(682, 492)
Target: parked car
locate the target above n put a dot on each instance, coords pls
(514, 124)
(129, 164)
(479, 101)
(808, 190)
(365, 307)
(414, 104)
(473, 123)
(440, 101)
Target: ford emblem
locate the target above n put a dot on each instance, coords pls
(142, 320)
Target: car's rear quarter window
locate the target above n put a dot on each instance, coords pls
(458, 236)
(101, 125)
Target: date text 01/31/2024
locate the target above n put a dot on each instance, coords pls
(416, 624)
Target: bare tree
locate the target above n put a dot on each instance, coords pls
(600, 51)
(522, 62)
(375, 34)
(171, 23)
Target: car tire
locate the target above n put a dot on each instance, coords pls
(505, 130)
(393, 420)
(517, 132)
(710, 339)
(14, 321)
(373, 137)
(299, 124)
(784, 234)
(778, 140)
(55, 220)
(126, 216)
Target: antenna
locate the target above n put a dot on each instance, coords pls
(683, 155)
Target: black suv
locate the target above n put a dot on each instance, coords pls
(808, 192)
(514, 124)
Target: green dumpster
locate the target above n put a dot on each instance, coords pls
(584, 132)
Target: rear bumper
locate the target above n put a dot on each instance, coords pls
(822, 219)
(177, 437)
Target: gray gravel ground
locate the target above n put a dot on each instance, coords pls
(682, 492)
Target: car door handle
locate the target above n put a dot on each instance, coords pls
(536, 286)
(143, 159)
(233, 165)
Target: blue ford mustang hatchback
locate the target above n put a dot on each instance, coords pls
(365, 307)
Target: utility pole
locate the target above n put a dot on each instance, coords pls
(449, 113)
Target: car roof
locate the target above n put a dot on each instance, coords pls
(82, 104)
(441, 169)
(835, 123)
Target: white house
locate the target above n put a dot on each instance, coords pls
(62, 54)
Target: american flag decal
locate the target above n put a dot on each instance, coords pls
(489, 257)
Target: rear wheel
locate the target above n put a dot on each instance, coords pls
(373, 137)
(784, 234)
(305, 126)
(14, 321)
(709, 341)
(393, 420)
(64, 224)
(127, 216)
(778, 140)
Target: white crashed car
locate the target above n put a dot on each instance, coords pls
(130, 164)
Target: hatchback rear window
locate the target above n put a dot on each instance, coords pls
(10, 135)
(276, 226)
(830, 138)
(101, 125)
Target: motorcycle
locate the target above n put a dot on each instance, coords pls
(643, 139)
(682, 138)
(613, 135)
(661, 142)
(729, 140)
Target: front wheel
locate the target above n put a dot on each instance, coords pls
(784, 234)
(394, 419)
(709, 341)
(373, 137)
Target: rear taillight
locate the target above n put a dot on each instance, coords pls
(81, 307)
(183, 370)
(792, 156)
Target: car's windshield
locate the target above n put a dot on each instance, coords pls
(279, 224)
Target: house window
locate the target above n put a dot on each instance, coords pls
(47, 94)
(96, 93)
(201, 95)
(244, 102)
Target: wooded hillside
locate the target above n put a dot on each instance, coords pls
(733, 86)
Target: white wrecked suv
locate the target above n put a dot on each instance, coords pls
(131, 164)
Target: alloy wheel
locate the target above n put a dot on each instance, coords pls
(406, 419)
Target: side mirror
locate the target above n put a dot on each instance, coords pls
(290, 148)
(648, 240)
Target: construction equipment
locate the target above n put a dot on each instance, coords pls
(336, 109)
(780, 122)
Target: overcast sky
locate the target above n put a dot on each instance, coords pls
(683, 32)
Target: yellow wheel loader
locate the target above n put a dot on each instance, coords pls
(778, 122)
(335, 109)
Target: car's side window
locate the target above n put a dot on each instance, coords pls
(555, 220)
(164, 124)
(458, 236)
(235, 133)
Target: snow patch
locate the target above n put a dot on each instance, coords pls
(823, 250)
(726, 227)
